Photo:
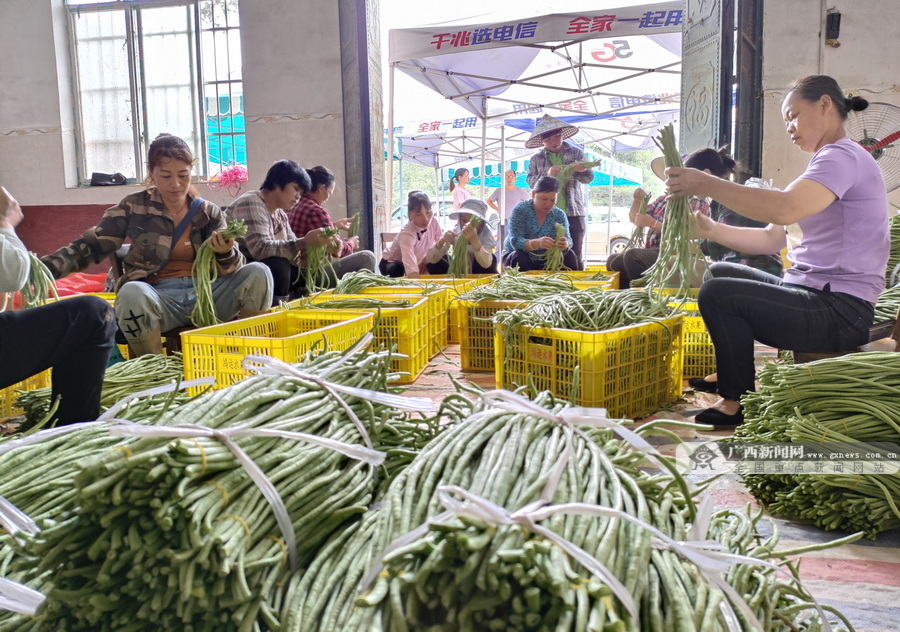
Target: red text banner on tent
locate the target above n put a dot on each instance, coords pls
(444, 39)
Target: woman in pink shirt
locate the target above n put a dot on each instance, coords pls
(407, 254)
(458, 188)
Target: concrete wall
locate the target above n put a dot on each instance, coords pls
(293, 103)
(866, 63)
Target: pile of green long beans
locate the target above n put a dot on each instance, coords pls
(354, 303)
(40, 285)
(593, 309)
(120, 380)
(888, 304)
(171, 533)
(459, 259)
(319, 270)
(519, 287)
(39, 479)
(637, 235)
(205, 271)
(677, 250)
(353, 282)
(848, 399)
(461, 574)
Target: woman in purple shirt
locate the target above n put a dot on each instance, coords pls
(826, 300)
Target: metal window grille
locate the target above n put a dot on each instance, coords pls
(143, 67)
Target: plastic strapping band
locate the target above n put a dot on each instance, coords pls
(227, 437)
(18, 598)
(14, 519)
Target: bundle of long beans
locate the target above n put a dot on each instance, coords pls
(318, 264)
(677, 250)
(893, 266)
(568, 172)
(461, 573)
(459, 259)
(637, 235)
(553, 259)
(120, 380)
(353, 229)
(205, 271)
(49, 461)
(888, 304)
(40, 286)
(353, 282)
(171, 533)
(848, 400)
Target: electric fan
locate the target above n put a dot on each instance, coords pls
(877, 128)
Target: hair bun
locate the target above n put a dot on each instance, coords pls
(856, 103)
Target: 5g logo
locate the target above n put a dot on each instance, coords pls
(610, 51)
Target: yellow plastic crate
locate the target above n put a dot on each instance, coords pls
(630, 371)
(613, 276)
(438, 308)
(285, 334)
(457, 286)
(9, 395)
(476, 332)
(405, 327)
(699, 352)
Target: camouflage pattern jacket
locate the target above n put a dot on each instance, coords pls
(142, 219)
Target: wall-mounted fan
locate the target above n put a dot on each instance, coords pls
(877, 128)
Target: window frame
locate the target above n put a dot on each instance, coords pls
(134, 37)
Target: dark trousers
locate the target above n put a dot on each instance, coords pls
(395, 268)
(632, 264)
(740, 304)
(73, 337)
(524, 261)
(287, 280)
(577, 230)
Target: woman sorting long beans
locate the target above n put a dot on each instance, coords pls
(826, 300)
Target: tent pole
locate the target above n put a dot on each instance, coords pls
(389, 180)
(612, 179)
(437, 190)
(483, 144)
(502, 171)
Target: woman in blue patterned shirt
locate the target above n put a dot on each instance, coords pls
(532, 229)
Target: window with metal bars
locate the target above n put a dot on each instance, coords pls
(144, 67)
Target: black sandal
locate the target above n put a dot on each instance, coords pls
(700, 384)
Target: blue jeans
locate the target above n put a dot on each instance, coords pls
(140, 307)
(740, 304)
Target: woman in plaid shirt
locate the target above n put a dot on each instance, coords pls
(309, 214)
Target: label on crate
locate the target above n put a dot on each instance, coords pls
(231, 363)
(542, 354)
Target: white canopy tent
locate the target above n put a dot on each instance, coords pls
(615, 72)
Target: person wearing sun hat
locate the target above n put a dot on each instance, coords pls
(551, 133)
(631, 264)
(481, 242)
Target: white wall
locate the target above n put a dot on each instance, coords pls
(292, 92)
(866, 63)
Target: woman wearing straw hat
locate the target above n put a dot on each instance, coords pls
(480, 240)
(551, 134)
